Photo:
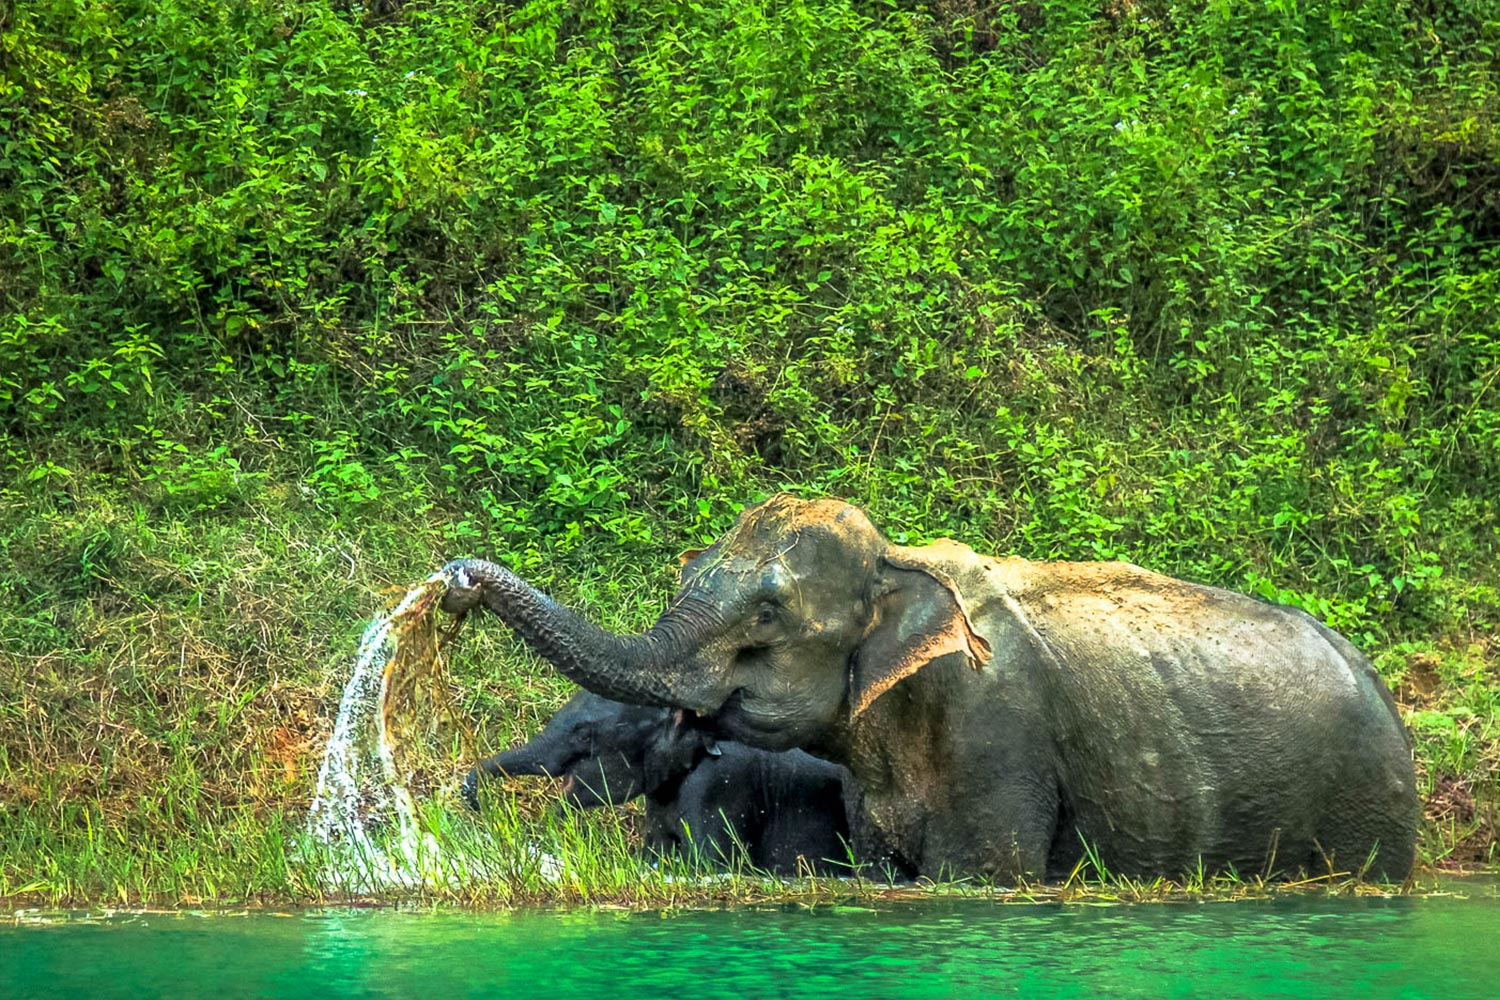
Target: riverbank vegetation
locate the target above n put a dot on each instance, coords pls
(299, 299)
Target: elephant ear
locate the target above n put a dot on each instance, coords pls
(674, 749)
(920, 616)
(685, 557)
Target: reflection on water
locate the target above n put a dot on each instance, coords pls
(1370, 949)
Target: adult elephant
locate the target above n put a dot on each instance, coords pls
(1004, 717)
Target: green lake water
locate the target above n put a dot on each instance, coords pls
(1444, 947)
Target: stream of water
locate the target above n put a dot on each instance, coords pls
(362, 812)
(1306, 947)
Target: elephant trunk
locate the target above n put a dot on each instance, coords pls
(640, 670)
(526, 760)
(535, 759)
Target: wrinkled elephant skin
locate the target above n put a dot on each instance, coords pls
(998, 715)
(778, 812)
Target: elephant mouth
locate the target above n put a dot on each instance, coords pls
(741, 718)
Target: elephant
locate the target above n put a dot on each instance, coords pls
(1007, 719)
(723, 801)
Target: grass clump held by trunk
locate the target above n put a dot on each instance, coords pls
(417, 699)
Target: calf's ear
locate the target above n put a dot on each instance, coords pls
(672, 751)
(687, 727)
(919, 616)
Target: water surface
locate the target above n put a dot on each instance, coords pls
(1303, 947)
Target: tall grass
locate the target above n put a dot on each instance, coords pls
(505, 858)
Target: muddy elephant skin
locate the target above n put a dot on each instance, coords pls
(1003, 717)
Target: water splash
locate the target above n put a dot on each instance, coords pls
(363, 812)
(363, 819)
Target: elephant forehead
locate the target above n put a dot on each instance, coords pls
(801, 537)
(785, 518)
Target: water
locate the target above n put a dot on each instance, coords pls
(363, 819)
(1307, 947)
(363, 812)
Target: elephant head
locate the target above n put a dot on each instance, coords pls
(607, 753)
(789, 625)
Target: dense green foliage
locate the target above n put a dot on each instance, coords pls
(299, 297)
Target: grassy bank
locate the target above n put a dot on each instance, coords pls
(300, 299)
(170, 757)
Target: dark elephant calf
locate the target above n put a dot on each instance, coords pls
(779, 812)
